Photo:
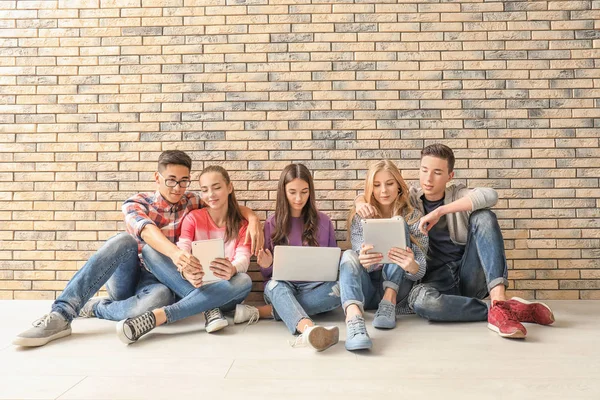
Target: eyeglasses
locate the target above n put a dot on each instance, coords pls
(184, 183)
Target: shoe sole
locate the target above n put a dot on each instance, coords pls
(360, 346)
(121, 333)
(37, 342)
(520, 300)
(376, 325)
(515, 335)
(321, 338)
(217, 326)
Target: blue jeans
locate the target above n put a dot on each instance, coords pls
(366, 289)
(454, 291)
(131, 289)
(295, 301)
(222, 294)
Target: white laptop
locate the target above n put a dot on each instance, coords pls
(383, 234)
(206, 251)
(306, 263)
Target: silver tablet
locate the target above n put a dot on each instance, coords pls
(383, 234)
(306, 263)
(206, 251)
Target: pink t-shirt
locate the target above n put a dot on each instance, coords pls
(198, 225)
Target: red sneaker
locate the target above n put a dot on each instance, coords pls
(502, 321)
(531, 311)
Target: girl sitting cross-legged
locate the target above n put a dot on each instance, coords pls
(296, 222)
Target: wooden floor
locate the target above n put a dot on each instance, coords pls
(417, 359)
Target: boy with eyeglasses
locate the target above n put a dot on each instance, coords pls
(151, 218)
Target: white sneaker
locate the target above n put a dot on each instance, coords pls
(318, 337)
(245, 312)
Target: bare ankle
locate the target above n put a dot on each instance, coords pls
(352, 311)
(160, 316)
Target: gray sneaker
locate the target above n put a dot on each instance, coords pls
(357, 337)
(385, 317)
(87, 311)
(46, 329)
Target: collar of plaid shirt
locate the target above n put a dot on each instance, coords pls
(163, 205)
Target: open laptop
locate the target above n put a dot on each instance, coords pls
(306, 263)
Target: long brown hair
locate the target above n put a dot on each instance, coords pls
(234, 218)
(310, 216)
(401, 205)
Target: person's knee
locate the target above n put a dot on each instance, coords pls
(148, 253)
(424, 300)
(122, 243)
(242, 282)
(483, 218)
(275, 288)
(350, 263)
(270, 286)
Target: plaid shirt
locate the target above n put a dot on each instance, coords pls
(151, 208)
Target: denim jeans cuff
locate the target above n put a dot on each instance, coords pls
(63, 313)
(295, 328)
(348, 303)
(168, 314)
(389, 284)
(496, 282)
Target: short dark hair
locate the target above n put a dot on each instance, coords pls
(175, 157)
(442, 151)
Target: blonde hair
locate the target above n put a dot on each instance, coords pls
(401, 205)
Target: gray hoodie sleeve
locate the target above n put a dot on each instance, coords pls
(481, 197)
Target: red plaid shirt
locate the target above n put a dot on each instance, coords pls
(151, 208)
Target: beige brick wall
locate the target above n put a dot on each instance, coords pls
(91, 91)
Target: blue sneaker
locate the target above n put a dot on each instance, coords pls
(357, 337)
(385, 317)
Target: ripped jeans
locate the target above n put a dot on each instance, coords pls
(454, 292)
(366, 289)
(295, 301)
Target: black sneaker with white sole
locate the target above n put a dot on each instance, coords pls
(215, 321)
(131, 329)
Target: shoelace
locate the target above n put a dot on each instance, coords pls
(527, 314)
(142, 324)
(298, 342)
(385, 309)
(213, 314)
(356, 326)
(255, 315)
(505, 310)
(43, 321)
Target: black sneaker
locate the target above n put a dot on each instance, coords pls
(131, 329)
(215, 321)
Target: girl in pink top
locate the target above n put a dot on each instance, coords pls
(199, 225)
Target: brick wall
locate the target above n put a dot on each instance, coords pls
(91, 91)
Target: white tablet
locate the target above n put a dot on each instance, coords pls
(383, 234)
(306, 263)
(206, 251)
